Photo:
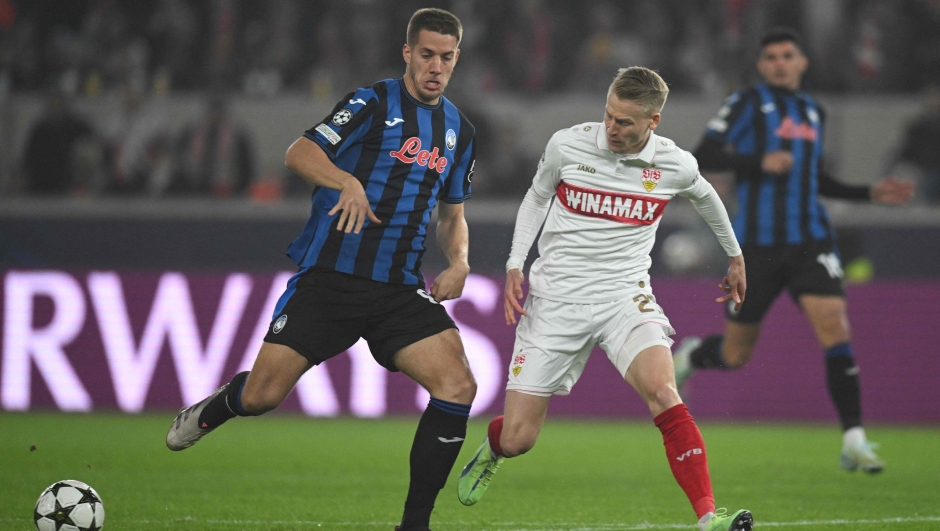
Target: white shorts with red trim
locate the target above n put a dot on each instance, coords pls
(554, 342)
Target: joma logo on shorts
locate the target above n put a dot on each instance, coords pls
(427, 296)
(693, 451)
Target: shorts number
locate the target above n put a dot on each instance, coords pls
(643, 299)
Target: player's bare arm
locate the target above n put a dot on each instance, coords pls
(453, 240)
(307, 159)
(512, 295)
(735, 284)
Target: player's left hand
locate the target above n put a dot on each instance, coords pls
(735, 284)
(449, 284)
(892, 191)
(512, 294)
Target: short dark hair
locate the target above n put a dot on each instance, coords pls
(436, 20)
(781, 34)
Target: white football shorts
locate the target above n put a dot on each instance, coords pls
(554, 342)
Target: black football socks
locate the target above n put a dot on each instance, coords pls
(708, 354)
(842, 380)
(437, 442)
(226, 405)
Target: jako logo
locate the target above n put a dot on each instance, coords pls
(411, 152)
(694, 451)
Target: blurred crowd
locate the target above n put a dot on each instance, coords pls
(145, 50)
(531, 46)
(132, 152)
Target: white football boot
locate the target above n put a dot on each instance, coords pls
(185, 430)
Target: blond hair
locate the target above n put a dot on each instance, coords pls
(641, 86)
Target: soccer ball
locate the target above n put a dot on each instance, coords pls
(69, 506)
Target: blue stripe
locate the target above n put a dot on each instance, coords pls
(450, 407)
(288, 293)
(740, 218)
(765, 211)
(795, 181)
(406, 203)
(746, 144)
(845, 349)
(765, 196)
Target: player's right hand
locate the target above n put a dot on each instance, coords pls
(777, 162)
(512, 295)
(354, 206)
(735, 284)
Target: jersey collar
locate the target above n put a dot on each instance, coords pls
(414, 100)
(643, 159)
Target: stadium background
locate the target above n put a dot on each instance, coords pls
(145, 209)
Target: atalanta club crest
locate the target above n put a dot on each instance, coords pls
(651, 178)
(450, 139)
(279, 324)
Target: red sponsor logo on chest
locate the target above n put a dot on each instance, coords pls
(793, 131)
(411, 152)
(631, 209)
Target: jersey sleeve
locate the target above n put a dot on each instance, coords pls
(346, 124)
(733, 119)
(457, 187)
(548, 175)
(708, 204)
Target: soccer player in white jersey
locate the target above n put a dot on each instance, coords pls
(590, 286)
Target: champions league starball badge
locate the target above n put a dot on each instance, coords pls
(342, 117)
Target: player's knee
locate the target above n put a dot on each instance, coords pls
(461, 388)
(736, 356)
(662, 397)
(259, 403)
(834, 328)
(514, 444)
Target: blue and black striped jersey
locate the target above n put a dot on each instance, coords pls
(772, 209)
(408, 156)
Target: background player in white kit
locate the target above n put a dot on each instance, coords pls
(590, 285)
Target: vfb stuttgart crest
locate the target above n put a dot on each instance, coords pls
(517, 364)
(651, 178)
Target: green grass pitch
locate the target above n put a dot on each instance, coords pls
(292, 473)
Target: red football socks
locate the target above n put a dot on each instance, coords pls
(494, 432)
(685, 450)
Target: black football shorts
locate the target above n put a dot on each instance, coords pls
(326, 312)
(811, 268)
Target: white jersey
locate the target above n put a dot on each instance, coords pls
(596, 241)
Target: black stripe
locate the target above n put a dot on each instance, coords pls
(422, 200)
(781, 181)
(759, 131)
(809, 148)
(329, 251)
(394, 185)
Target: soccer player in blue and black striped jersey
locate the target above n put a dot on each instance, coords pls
(771, 136)
(381, 161)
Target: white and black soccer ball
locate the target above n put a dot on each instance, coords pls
(69, 506)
